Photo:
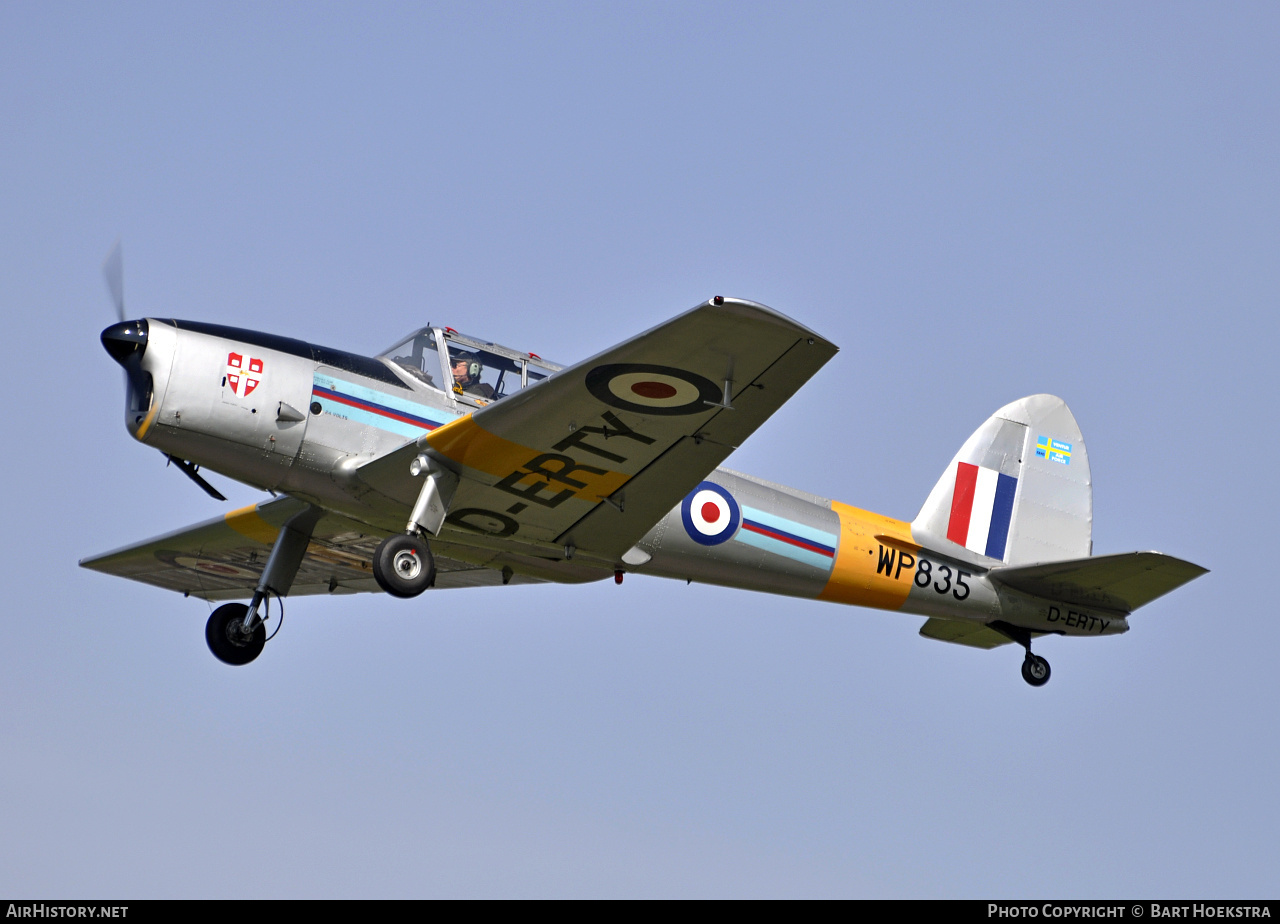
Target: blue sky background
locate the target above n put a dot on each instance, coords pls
(975, 201)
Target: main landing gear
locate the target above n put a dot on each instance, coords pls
(236, 633)
(1035, 669)
(228, 640)
(403, 565)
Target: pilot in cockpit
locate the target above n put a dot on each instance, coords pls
(466, 376)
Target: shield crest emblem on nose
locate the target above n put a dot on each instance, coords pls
(238, 371)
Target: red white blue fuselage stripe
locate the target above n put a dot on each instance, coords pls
(376, 408)
(786, 537)
(373, 408)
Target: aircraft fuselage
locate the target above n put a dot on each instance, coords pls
(290, 417)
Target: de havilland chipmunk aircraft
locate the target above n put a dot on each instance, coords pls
(451, 462)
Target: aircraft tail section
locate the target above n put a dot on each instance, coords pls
(1018, 491)
(1120, 583)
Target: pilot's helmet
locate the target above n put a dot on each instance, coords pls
(474, 367)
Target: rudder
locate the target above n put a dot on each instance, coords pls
(1019, 489)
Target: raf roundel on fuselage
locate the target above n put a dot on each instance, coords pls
(710, 514)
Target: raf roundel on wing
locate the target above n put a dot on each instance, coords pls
(710, 514)
(644, 388)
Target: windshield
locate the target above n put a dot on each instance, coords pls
(475, 371)
(417, 355)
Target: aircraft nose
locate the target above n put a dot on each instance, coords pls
(126, 341)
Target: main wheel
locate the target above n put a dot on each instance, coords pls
(1035, 670)
(226, 636)
(403, 566)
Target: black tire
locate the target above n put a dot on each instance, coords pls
(403, 566)
(223, 632)
(1035, 670)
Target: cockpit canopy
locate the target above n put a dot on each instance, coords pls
(474, 371)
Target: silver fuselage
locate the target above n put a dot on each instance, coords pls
(290, 417)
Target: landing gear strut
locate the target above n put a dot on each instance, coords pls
(403, 565)
(235, 632)
(1035, 669)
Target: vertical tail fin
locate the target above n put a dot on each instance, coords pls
(1019, 489)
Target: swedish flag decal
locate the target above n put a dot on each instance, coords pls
(1053, 450)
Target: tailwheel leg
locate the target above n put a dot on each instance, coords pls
(1035, 669)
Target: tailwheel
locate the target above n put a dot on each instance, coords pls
(403, 565)
(227, 638)
(1035, 670)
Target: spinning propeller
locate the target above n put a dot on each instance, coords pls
(126, 342)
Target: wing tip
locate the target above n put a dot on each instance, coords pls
(742, 307)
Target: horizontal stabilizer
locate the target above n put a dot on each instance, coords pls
(964, 632)
(1120, 583)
